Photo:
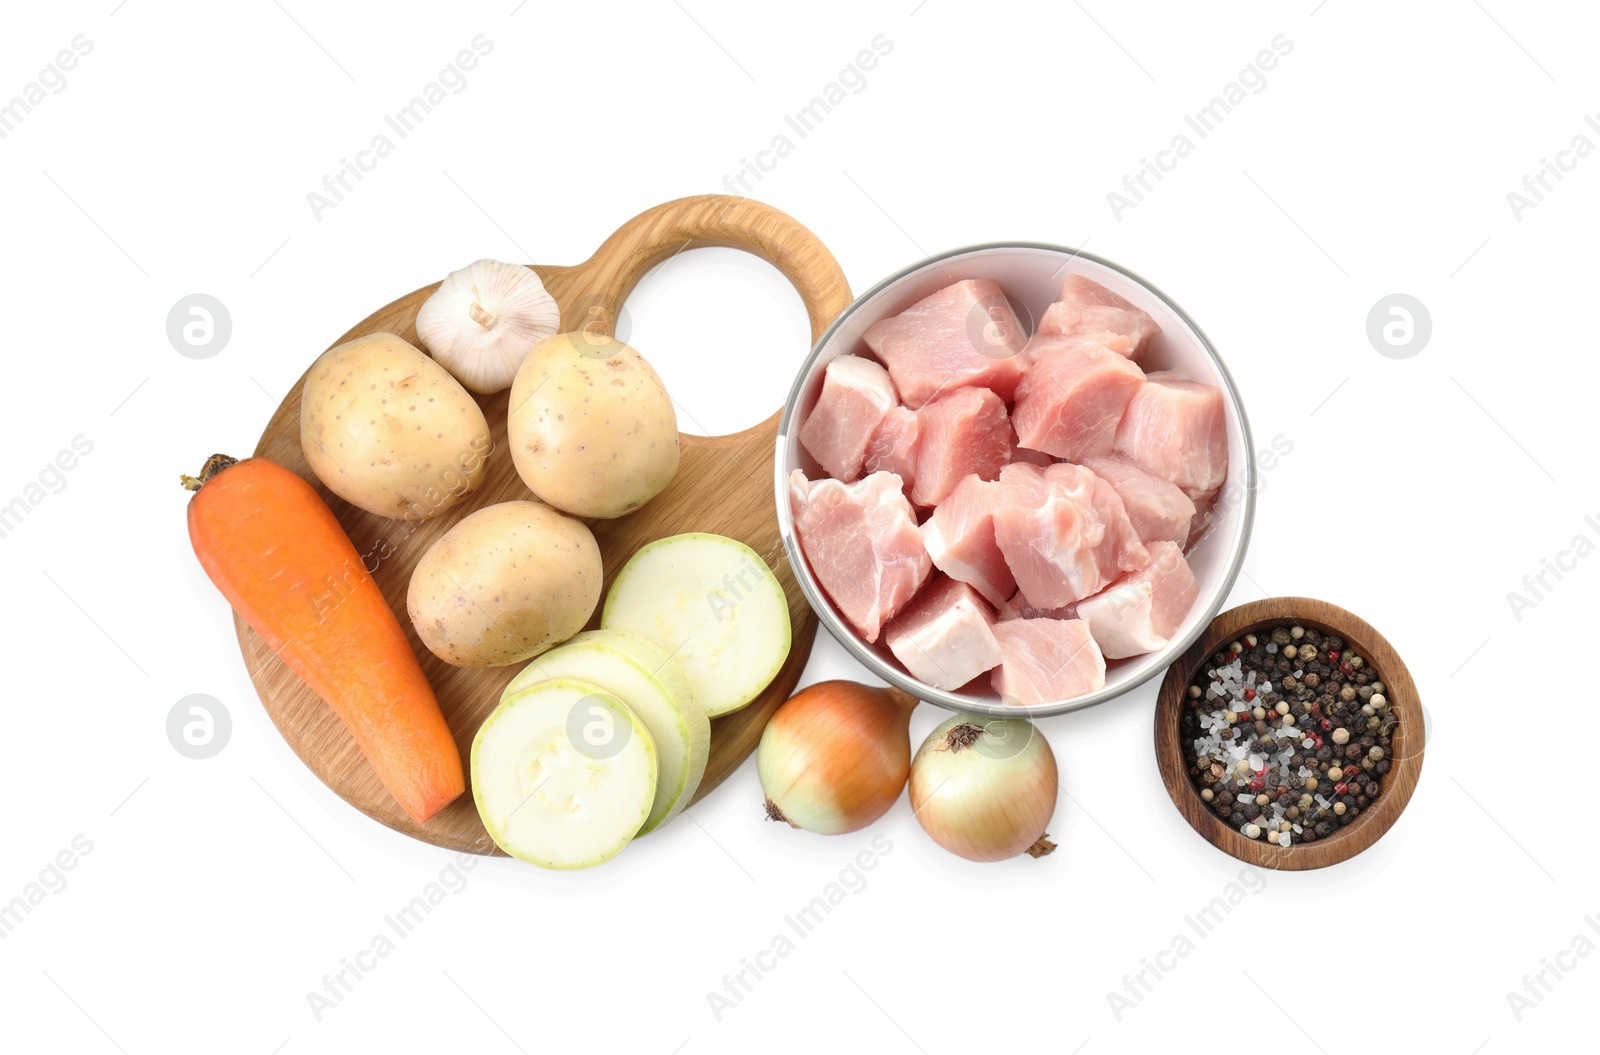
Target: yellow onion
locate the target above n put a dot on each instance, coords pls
(985, 788)
(835, 756)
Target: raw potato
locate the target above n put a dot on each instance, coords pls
(389, 430)
(563, 774)
(592, 430)
(504, 585)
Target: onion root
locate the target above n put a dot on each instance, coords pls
(775, 814)
(962, 737)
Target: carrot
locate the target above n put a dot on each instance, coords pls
(275, 550)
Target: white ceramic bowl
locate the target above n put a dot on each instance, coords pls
(1031, 275)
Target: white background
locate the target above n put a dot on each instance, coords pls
(1418, 493)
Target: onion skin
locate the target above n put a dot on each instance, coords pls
(835, 756)
(983, 796)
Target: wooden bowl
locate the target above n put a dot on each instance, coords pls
(1406, 745)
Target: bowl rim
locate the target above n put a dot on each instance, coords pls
(1399, 783)
(955, 701)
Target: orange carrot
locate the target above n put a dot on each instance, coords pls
(279, 556)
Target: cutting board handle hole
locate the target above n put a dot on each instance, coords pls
(726, 332)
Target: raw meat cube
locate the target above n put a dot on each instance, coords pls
(1047, 660)
(1158, 510)
(965, 334)
(1208, 513)
(856, 394)
(862, 544)
(1020, 453)
(1141, 612)
(1019, 607)
(1177, 429)
(1073, 397)
(893, 447)
(1087, 306)
(959, 537)
(1029, 457)
(1063, 531)
(1042, 342)
(943, 635)
(1120, 548)
(961, 432)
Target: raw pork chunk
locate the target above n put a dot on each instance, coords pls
(893, 447)
(1178, 430)
(1063, 532)
(961, 432)
(1073, 398)
(856, 394)
(1159, 511)
(959, 537)
(943, 636)
(1046, 660)
(1141, 612)
(862, 544)
(1019, 607)
(1023, 454)
(1086, 307)
(965, 334)
(1042, 342)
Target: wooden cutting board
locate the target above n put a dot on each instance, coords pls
(724, 485)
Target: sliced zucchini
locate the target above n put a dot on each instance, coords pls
(563, 774)
(713, 603)
(636, 672)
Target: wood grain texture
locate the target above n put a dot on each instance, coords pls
(1406, 747)
(724, 485)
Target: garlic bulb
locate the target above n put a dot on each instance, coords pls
(482, 320)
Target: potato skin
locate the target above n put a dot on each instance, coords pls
(592, 429)
(389, 430)
(505, 584)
